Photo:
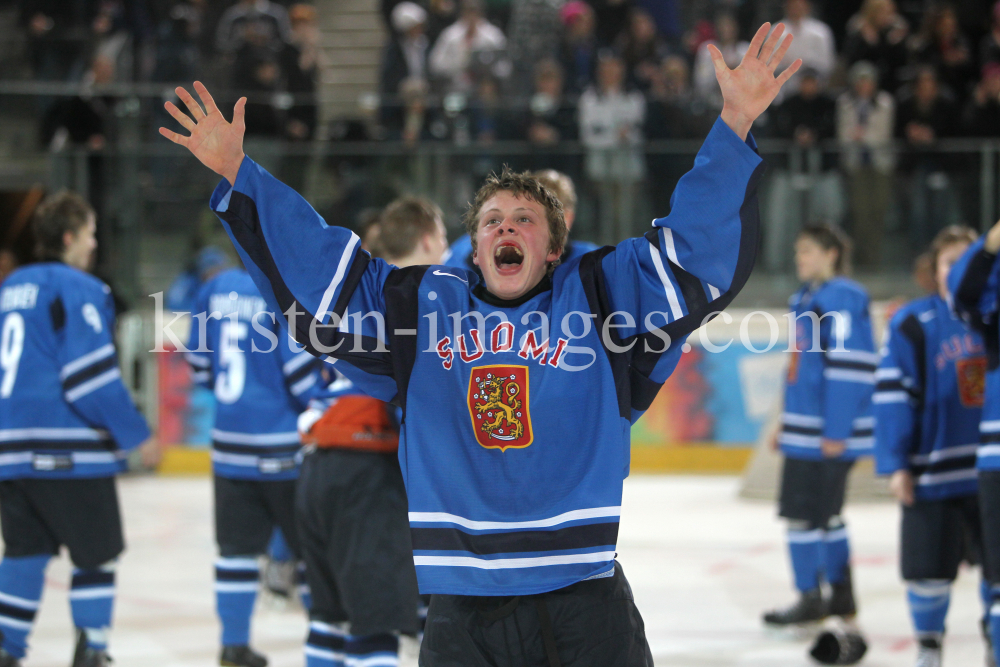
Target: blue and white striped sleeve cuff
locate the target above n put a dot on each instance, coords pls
(851, 366)
(89, 372)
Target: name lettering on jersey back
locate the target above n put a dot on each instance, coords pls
(472, 346)
(245, 307)
(19, 297)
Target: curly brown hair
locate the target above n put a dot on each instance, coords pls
(62, 212)
(527, 186)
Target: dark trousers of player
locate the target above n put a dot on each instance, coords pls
(591, 623)
(812, 497)
(246, 513)
(989, 508)
(38, 517)
(936, 536)
(352, 520)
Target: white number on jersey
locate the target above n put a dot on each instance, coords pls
(92, 317)
(233, 374)
(11, 347)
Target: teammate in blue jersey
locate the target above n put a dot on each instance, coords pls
(351, 499)
(67, 423)
(974, 285)
(518, 390)
(927, 403)
(262, 381)
(826, 423)
(460, 253)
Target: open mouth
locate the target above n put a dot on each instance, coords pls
(507, 257)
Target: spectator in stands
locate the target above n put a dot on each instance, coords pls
(300, 67)
(257, 73)
(808, 117)
(82, 121)
(865, 118)
(59, 34)
(579, 46)
(405, 57)
(706, 85)
(877, 35)
(611, 120)
(981, 117)
(533, 24)
(813, 43)
(989, 48)
(672, 112)
(486, 122)
(261, 22)
(612, 18)
(412, 122)
(177, 52)
(471, 43)
(942, 45)
(642, 48)
(547, 119)
(924, 114)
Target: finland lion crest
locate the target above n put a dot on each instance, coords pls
(498, 405)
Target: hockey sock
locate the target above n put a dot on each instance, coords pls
(836, 551)
(21, 584)
(928, 600)
(305, 595)
(371, 650)
(995, 621)
(278, 549)
(236, 583)
(92, 599)
(325, 644)
(805, 548)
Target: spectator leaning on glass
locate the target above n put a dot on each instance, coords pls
(469, 39)
(611, 120)
(865, 117)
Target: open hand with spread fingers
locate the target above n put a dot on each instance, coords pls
(750, 88)
(213, 140)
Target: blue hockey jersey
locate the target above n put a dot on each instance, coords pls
(262, 380)
(64, 411)
(459, 254)
(974, 286)
(831, 373)
(516, 413)
(928, 400)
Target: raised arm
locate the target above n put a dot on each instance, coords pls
(312, 273)
(693, 262)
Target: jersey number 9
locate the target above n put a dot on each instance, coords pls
(11, 347)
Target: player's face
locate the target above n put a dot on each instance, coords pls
(813, 263)
(80, 246)
(945, 260)
(512, 245)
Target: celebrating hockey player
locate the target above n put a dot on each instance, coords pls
(351, 501)
(826, 424)
(67, 423)
(927, 405)
(262, 381)
(460, 253)
(974, 285)
(517, 390)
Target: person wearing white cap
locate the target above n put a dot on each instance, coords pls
(405, 56)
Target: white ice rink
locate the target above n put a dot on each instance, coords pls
(703, 565)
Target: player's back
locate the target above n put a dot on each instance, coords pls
(260, 384)
(56, 353)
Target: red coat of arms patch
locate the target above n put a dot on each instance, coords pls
(971, 381)
(498, 405)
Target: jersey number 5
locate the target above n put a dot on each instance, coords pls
(11, 347)
(233, 374)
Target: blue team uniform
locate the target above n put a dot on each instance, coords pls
(64, 411)
(928, 400)
(259, 395)
(261, 381)
(515, 434)
(829, 385)
(459, 254)
(65, 416)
